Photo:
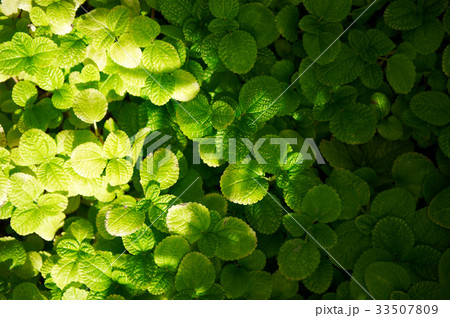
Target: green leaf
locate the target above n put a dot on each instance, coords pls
(52, 176)
(258, 20)
(144, 30)
(384, 277)
(161, 57)
(159, 88)
(393, 202)
(35, 147)
(26, 221)
(88, 160)
(194, 117)
(225, 9)
(353, 191)
(216, 202)
(24, 93)
(354, 123)
(260, 98)
(95, 272)
(60, 16)
(186, 86)
(157, 212)
(118, 19)
(322, 203)
(52, 203)
(170, 251)
(402, 15)
(63, 97)
(161, 166)
(117, 145)
(244, 184)
(401, 171)
(332, 11)
(189, 220)
(345, 69)
(196, 272)
(427, 38)
(287, 22)
(235, 239)
(68, 140)
(401, 73)
(265, 216)
(390, 128)
(238, 51)
(50, 78)
(27, 291)
(176, 11)
(140, 270)
(11, 250)
(320, 280)
(90, 106)
(26, 190)
(75, 294)
(64, 272)
(393, 235)
(125, 218)
(81, 230)
(319, 41)
(432, 107)
(298, 259)
(118, 172)
(125, 52)
(140, 242)
(254, 262)
(438, 209)
(296, 189)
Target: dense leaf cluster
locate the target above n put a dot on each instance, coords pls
(87, 212)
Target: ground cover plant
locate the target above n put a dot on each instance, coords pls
(166, 149)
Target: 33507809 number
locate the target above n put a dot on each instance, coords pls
(407, 309)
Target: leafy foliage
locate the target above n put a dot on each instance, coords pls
(146, 149)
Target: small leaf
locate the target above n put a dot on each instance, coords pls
(189, 220)
(125, 218)
(196, 272)
(90, 106)
(140, 242)
(235, 239)
(330, 10)
(401, 73)
(35, 147)
(322, 203)
(225, 9)
(238, 51)
(298, 259)
(161, 57)
(438, 210)
(159, 88)
(88, 160)
(170, 251)
(24, 93)
(144, 30)
(243, 184)
(432, 107)
(161, 166)
(402, 15)
(186, 86)
(393, 235)
(117, 145)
